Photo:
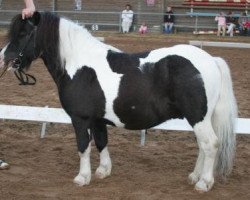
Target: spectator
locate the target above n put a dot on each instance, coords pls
(247, 25)
(231, 23)
(78, 4)
(143, 28)
(127, 18)
(168, 20)
(243, 22)
(221, 19)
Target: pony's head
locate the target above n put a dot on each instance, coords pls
(20, 50)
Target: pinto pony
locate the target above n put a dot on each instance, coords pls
(100, 85)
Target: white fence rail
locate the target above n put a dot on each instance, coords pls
(58, 115)
(219, 44)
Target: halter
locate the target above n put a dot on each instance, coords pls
(23, 77)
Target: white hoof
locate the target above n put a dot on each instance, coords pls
(82, 180)
(193, 178)
(204, 186)
(103, 171)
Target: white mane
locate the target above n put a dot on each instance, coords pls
(78, 47)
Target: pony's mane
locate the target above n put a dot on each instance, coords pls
(16, 27)
(47, 37)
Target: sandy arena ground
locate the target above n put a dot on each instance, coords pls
(45, 168)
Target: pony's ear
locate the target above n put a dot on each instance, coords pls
(35, 19)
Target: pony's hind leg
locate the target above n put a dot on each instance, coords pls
(84, 149)
(193, 177)
(209, 145)
(99, 131)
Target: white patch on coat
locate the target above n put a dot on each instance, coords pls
(79, 48)
(84, 176)
(105, 166)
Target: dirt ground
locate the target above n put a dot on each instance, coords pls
(45, 168)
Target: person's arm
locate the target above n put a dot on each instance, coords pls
(29, 10)
(131, 15)
(123, 14)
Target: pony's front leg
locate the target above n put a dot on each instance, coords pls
(99, 131)
(84, 149)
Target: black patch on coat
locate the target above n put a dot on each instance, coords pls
(123, 63)
(170, 88)
(82, 96)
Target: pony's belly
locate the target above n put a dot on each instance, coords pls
(136, 116)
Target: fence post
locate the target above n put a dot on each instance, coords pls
(120, 22)
(143, 137)
(44, 125)
(53, 5)
(196, 23)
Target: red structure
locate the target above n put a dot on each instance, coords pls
(228, 3)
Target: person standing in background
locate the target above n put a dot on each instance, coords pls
(78, 4)
(168, 20)
(127, 18)
(221, 19)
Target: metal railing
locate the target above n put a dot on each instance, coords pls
(112, 20)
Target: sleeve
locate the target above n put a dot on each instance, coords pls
(131, 14)
(173, 17)
(165, 18)
(123, 14)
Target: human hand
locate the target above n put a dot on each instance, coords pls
(28, 12)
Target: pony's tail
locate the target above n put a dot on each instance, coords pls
(223, 122)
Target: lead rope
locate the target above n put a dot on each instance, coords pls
(25, 79)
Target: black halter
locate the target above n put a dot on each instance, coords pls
(24, 78)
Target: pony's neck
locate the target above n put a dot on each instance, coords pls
(79, 48)
(66, 47)
(47, 43)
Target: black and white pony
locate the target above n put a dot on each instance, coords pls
(100, 85)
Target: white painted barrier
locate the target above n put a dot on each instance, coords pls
(219, 44)
(58, 115)
(39, 114)
(101, 39)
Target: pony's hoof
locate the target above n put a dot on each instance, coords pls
(193, 178)
(203, 186)
(102, 172)
(82, 180)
